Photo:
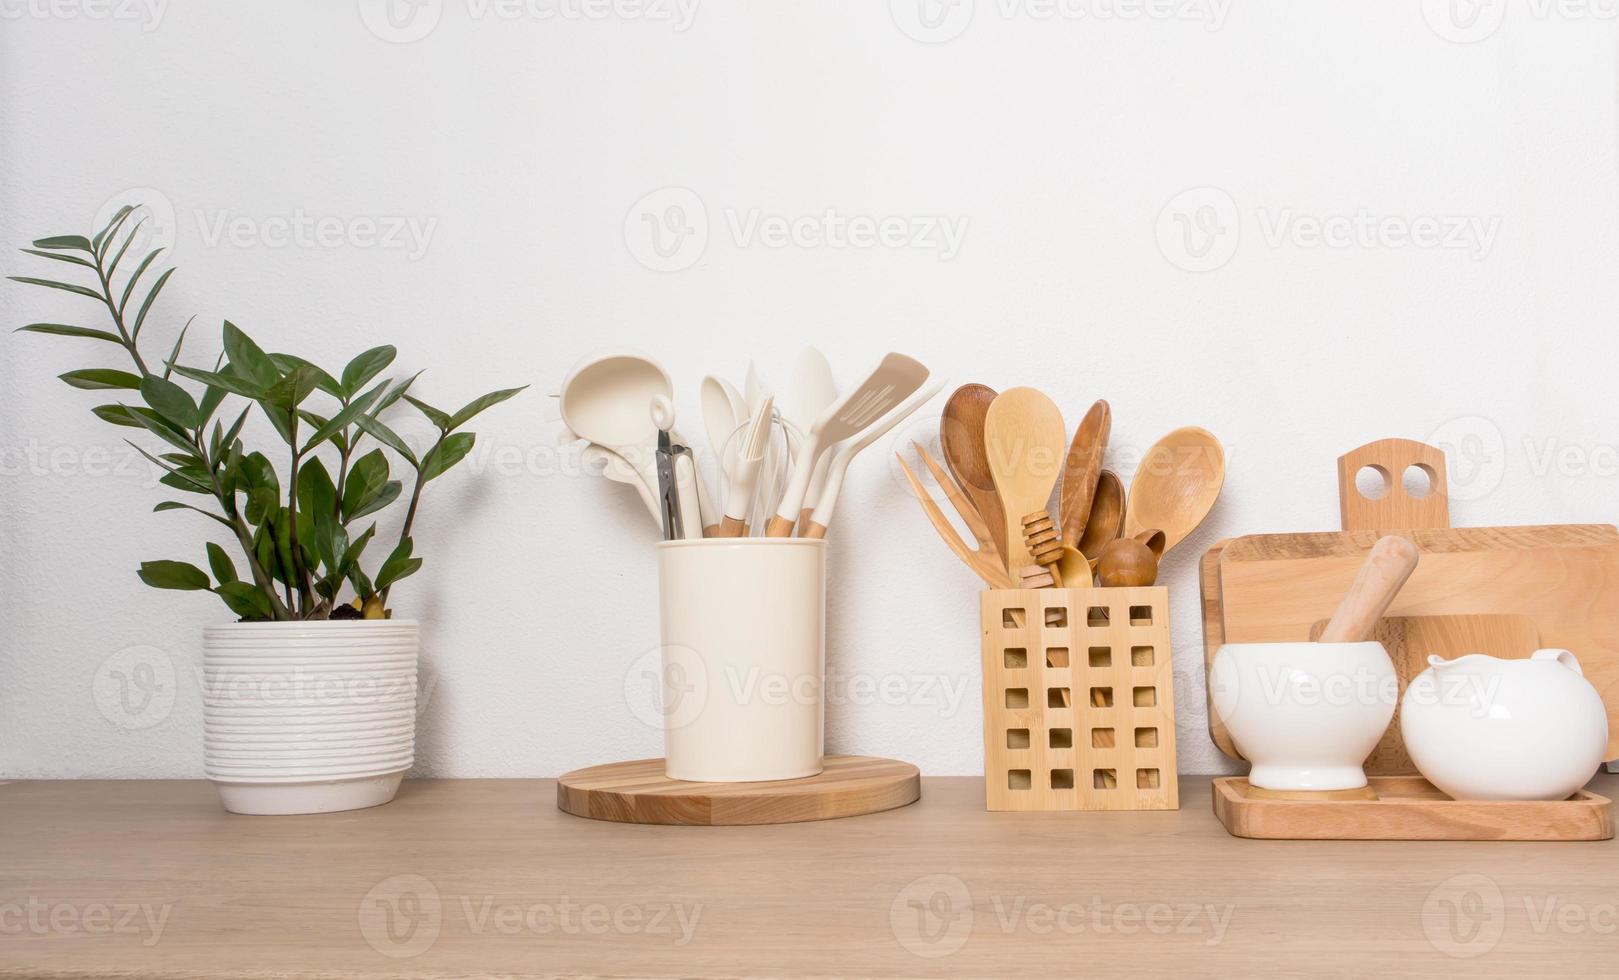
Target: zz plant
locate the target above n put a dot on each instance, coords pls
(298, 541)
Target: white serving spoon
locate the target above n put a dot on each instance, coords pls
(810, 389)
(723, 425)
(845, 451)
(604, 399)
(894, 379)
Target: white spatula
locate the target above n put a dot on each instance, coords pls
(894, 379)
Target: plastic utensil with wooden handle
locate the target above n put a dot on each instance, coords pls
(749, 459)
(1380, 578)
(840, 457)
(893, 380)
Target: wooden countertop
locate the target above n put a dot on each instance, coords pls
(485, 877)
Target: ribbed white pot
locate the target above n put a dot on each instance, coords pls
(308, 717)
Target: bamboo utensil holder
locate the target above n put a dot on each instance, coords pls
(1111, 747)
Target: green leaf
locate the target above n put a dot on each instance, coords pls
(185, 484)
(235, 427)
(161, 427)
(151, 297)
(248, 358)
(366, 366)
(356, 548)
(169, 400)
(220, 564)
(129, 240)
(129, 287)
(285, 363)
(291, 390)
(435, 416)
(60, 257)
(52, 284)
(395, 393)
(227, 380)
(346, 417)
(452, 450)
(245, 600)
(63, 242)
(119, 415)
(261, 505)
(480, 403)
(94, 378)
(398, 565)
(316, 494)
(173, 575)
(177, 505)
(67, 330)
(111, 227)
(388, 494)
(174, 355)
(374, 428)
(362, 585)
(365, 480)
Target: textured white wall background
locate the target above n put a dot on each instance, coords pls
(520, 139)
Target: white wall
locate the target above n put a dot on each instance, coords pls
(523, 143)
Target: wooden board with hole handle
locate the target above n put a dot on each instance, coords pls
(639, 792)
(1503, 591)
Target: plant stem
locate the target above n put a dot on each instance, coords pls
(118, 318)
(415, 499)
(261, 578)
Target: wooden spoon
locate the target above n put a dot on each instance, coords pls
(961, 439)
(1106, 520)
(1176, 485)
(1127, 563)
(1083, 468)
(1023, 437)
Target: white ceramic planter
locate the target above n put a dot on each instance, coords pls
(308, 717)
(743, 654)
(1305, 714)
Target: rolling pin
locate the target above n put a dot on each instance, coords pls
(1379, 580)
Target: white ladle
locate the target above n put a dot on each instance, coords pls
(845, 451)
(893, 380)
(604, 399)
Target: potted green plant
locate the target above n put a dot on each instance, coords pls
(309, 696)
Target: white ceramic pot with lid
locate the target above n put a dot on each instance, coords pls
(1484, 728)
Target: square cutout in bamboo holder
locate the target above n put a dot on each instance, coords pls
(1079, 700)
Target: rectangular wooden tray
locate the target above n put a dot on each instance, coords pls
(1409, 808)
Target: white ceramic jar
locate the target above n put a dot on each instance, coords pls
(1305, 714)
(308, 717)
(1485, 728)
(743, 622)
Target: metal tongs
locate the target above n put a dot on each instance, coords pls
(666, 457)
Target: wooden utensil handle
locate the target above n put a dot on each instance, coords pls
(1395, 510)
(1380, 578)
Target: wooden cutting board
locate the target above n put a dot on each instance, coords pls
(1502, 591)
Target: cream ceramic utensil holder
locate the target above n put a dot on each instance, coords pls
(744, 626)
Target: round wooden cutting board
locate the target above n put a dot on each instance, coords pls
(639, 792)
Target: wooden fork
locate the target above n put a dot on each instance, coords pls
(986, 560)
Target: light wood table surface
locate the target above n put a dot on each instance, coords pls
(471, 878)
